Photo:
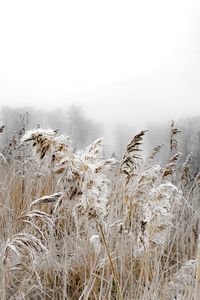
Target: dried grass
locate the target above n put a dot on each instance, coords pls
(75, 225)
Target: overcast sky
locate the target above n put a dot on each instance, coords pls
(124, 61)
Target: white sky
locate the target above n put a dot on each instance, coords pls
(124, 61)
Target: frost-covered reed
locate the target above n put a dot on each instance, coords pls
(76, 225)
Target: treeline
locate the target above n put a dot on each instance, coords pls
(74, 122)
(71, 121)
(188, 141)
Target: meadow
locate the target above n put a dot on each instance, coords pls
(76, 225)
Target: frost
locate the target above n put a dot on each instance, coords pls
(81, 174)
(158, 216)
(31, 134)
(3, 159)
(182, 280)
(95, 241)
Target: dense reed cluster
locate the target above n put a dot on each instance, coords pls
(76, 225)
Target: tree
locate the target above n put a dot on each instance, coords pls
(82, 130)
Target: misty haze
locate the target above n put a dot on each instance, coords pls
(100, 150)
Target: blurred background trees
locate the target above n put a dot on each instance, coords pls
(74, 122)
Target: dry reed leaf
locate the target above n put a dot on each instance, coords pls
(47, 199)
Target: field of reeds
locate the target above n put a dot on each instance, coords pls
(76, 225)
